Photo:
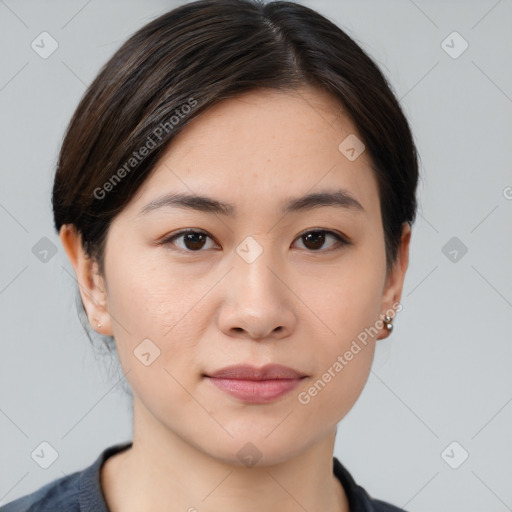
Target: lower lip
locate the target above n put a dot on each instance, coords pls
(256, 391)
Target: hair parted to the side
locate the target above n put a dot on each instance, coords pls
(187, 60)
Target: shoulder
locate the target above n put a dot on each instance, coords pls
(59, 495)
(358, 498)
(382, 506)
(77, 492)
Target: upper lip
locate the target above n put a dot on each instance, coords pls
(247, 372)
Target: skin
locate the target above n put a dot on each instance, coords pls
(208, 309)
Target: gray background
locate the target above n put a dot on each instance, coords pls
(445, 373)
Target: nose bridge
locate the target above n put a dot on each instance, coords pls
(255, 269)
(255, 299)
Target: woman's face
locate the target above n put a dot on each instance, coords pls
(264, 281)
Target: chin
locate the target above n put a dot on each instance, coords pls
(258, 450)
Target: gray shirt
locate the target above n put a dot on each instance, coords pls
(81, 491)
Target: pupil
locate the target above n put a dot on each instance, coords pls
(189, 239)
(316, 237)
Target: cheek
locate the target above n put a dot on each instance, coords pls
(348, 307)
(149, 297)
(160, 303)
(346, 300)
(341, 361)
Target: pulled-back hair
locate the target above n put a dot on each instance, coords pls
(187, 60)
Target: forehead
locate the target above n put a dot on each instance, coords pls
(264, 145)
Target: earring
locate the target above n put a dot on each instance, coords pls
(387, 323)
(99, 325)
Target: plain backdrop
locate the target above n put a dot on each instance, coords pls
(432, 429)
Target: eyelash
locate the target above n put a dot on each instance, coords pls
(341, 241)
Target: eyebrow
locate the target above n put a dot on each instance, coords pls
(338, 198)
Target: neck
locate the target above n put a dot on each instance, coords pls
(162, 472)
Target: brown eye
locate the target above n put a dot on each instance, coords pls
(193, 241)
(314, 240)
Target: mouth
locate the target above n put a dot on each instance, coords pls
(256, 385)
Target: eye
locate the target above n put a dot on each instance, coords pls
(193, 240)
(315, 239)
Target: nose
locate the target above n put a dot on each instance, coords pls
(258, 301)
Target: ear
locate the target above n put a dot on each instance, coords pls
(395, 280)
(91, 284)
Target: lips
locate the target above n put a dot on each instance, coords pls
(256, 385)
(246, 372)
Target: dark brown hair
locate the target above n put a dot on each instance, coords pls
(197, 55)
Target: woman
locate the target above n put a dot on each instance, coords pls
(235, 192)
